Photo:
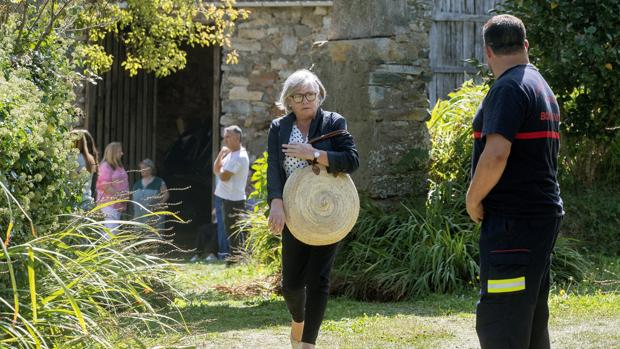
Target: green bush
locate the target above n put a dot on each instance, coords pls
(450, 127)
(392, 257)
(593, 218)
(37, 161)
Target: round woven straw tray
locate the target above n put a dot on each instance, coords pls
(320, 209)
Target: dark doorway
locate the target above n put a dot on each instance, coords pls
(170, 121)
(120, 108)
(185, 109)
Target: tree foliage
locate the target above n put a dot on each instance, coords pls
(153, 31)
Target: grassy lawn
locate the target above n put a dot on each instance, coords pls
(584, 315)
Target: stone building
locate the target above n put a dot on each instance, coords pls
(383, 62)
(373, 59)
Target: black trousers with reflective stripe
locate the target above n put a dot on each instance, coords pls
(515, 257)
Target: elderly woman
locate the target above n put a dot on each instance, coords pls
(305, 268)
(149, 192)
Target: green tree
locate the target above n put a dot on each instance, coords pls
(47, 49)
(153, 31)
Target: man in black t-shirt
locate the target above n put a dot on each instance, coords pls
(514, 192)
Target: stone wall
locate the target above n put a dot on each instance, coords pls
(376, 64)
(272, 43)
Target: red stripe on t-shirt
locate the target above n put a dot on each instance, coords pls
(529, 135)
(536, 135)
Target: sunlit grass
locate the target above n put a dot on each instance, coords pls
(584, 317)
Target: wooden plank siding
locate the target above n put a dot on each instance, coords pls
(456, 35)
(122, 109)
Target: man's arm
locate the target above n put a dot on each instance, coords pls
(227, 170)
(225, 176)
(217, 164)
(489, 170)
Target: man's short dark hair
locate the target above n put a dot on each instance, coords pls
(504, 34)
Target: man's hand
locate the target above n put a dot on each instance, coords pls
(223, 152)
(488, 171)
(299, 150)
(277, 218)
(475, 210)
(217, 164)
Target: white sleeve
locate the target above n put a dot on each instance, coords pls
(232, 165)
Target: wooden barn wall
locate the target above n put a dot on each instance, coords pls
(456, 35)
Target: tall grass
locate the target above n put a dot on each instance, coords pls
(261, 245)
(82, 286)
(396, 256)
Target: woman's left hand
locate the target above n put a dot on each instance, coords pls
(299, 150)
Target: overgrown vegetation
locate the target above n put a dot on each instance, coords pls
(593, 219)
(65, 281)
(417, 251)
(261, 245)
(38, 165)
(78, 285)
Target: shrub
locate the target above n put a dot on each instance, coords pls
(593, 218)
(391, 257)
(450, 127)
(38, 163)
(416, 251)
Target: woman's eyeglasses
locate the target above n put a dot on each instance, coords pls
(299, 98)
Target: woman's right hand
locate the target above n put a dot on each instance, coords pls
(276, 216)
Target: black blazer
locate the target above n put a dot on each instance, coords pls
(341, 150)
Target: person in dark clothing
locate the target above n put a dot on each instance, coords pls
(514, 192)
(206, 243)
(305, 268)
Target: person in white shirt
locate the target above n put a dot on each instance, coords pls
(231, 167)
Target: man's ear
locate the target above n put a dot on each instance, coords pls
(527, 45)
(488, 51)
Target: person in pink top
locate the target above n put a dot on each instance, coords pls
(112, 183)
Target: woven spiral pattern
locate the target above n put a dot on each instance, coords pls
(320, 210)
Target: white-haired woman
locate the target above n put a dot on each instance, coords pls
(305, 268)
